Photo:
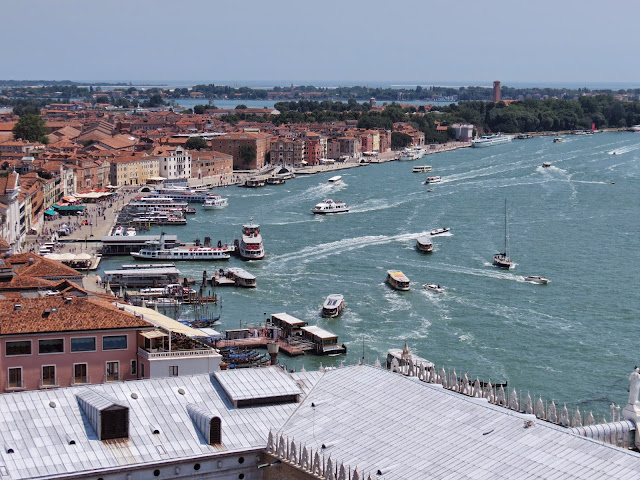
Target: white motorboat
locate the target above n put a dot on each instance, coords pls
(536, 279)
(250, 246)
(491, 140)
(546, 164)
(502, 259)
(432, 180)
(131, 232)
(433, 287)
(215, 202)
(424, 244)
(119, 232)
(439, 231)
(422, 169)
(333, 305)
(329, 206)
(558, 140)
(156, 250)
(335, 179)
(408, 155)
(397, 280)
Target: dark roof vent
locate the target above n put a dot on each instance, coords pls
(17, 307)
(108, 418)
(67, 300)
(31, 261)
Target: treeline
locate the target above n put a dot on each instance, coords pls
(216, 91)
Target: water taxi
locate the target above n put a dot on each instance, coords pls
(424, 244)
(546, 164)
(558, 140)
(422, 169)
(329, 206)
(397, 280)
(333, 305)
(215, 202)
(439, 231)
(250, 246)
(431, 180)
(536, 279)
(433, 287)
(335, 179)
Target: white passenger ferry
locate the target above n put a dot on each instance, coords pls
(333, 305)
(250, 246)
(155, 250)
(186, 194)
(397, 280)
(215, 202)
(491, 140)
(424, 244)
(329, 206)
(422, 169)
(432, 180)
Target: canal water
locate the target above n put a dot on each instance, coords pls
(576, 223)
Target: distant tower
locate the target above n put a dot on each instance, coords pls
(496, 91)
(372, 102)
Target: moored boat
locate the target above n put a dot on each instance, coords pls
(156, 250)
(536, 279)
(424, 244)
(241, 277)
(329, 206)
(333, 305)
(491, 140)
(250, 246)
(131, 232)
(215, 202)
(397, 280)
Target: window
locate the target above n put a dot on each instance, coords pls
(48, 376)
(134, 367)
(18, 348)
(173, 371)
(113, 371)
(15, 378)
(80, 373)
(83, 344)
(116, 342)
(142, 370)
(53, 345)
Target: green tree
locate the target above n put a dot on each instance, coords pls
(32, 128)
(241, 107)
(196, 143)
(247, 154)
(199, 109)
(400, 140)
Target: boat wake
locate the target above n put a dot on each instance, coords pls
(373, 205)
(494, 272)
(623, 150)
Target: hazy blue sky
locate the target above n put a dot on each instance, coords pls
(400, 41)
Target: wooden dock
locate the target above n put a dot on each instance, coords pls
(260, 342)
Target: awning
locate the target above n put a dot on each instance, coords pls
(50, 212)
(70, 199)
(69, 208)
(164, 322)
(154, 334)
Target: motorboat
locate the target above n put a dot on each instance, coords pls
(156, 250)
(432, 180)
(558, 140)
(131, 232)
(215, 202)
(536, 279)
(335, 179)
(502, 259)
(408, 155)
(422, 169)
(491, 140)
(397, 280)
(546, 164)
(119, 232)
(329, 206)
(439, 231)
(333, 305)
(250, 246)
(433, 287)
(424, 244)
(190, 210)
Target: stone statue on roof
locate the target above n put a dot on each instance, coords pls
(634, 386)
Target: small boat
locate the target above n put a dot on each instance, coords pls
(558, 140)
(422, 169)
(190, 210)
(431, 180)
(397, 280)
(131, 232)
(546, 164)
(119, 232)
(333, 305)
(215, 203)
(502, 260)
(329, 206)
(439, 231)
(335, 179)
(536, 279)
(433, 287)
(424, 244)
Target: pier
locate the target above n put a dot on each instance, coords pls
(261, 342)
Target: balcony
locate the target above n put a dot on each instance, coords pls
(15, 385)
(49, 382)
(157, 354)
(81, 380)
(112, 377)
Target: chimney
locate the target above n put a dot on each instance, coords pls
(17, 307)
(67, 300)
(31, 261)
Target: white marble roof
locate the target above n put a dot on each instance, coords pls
(374, 420)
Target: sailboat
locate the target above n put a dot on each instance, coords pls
(502, 260)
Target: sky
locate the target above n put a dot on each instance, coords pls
(464, 42)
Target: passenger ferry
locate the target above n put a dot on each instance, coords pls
(155, 250)
(333, 305)
(329, 206)
(397, 280)
(491, 140)
(241, 277)
(250, 246)
(215, 202)
(431, 180)
(324, 342)
(144, 203)
(422, 169)
(424, 244)
(186, 194)
(335, 179)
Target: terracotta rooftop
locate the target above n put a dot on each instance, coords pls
(60, 314)
(39, 267)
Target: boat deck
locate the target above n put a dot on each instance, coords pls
(261, 342)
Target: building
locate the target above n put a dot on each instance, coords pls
(496, 91)
(231, 144)
(288, 151)
(10, 210)
(207, 163)
(174, 163)
(138, 169)
(464, 131)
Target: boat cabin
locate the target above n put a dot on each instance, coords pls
(324, 342)
(288, 324)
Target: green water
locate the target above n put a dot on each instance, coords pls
(571, 340)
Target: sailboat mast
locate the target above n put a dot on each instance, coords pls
(506, 231)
